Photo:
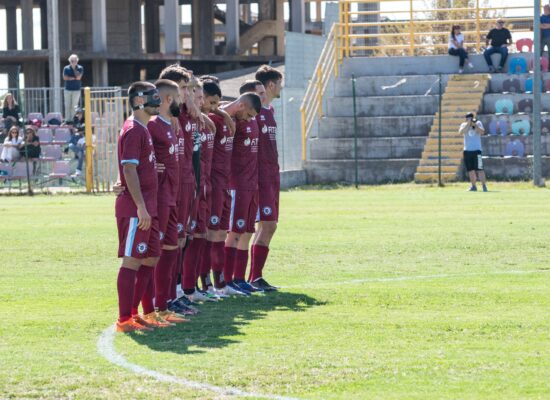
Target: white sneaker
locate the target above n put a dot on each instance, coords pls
(229, 291)
(460, 71)
(198, 297)
(470, 65)
(217, 293)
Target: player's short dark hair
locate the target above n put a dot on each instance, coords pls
(175, 73)
(249, 86)
(266, 74)
(253, 100)
(140, 86)
(212, 78)
(211, 88)
(166, 84)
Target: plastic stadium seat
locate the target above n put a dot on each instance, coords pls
(545, 126)
(51, 153)
(521, 43)
(521, 127)
(547, 86)
(493, 127)
(62, 136)
(19, 171)
(512, 85)
(503, 126)
(517, 65)
(529, 85)
(515, 148)
(45, 135)
(525, 106)
(543, 64)
(504, 106)
(5, 171)
(53, 116)
(61, 169)
(35, 115)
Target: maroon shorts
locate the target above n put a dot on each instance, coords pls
(200, 212)
(184, 206)
(136, 243)
(244, 208)
(168, 225)
(220, 200)
(268, 199)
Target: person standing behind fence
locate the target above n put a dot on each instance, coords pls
(500, 38)
(545, 31)
(472, 130)
(456, 47)
(10, 111)
(72, 75)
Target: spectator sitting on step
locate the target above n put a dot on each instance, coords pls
(30, 147)
(10, 150)
(78, 120)
(456, 47)
(10, 111)
(500, 38)
(472, 130)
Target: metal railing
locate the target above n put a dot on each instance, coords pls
(327, 67)
(107, 110)
(421, 30)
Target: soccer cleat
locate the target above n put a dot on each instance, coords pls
(184, 302)
(180, 308)
(229, 290)
(244, 285)
(170, 316)
(472, 189)
(261, 283)
(131, 326)
(213, 296)
(216, 293)
(485, 188)
(197, 296)
(155, 320)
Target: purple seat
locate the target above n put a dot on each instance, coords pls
(45, 135)
(51, 153)
(53, 115)
(19, 171)
(35, 115)
(503, 126)
(525, 106)
(545, 126)
(512, 85)
(61, 169)
(62, 135)
(493, 127)
(515, 148)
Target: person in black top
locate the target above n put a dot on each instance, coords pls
(10, 111)
(500, 39)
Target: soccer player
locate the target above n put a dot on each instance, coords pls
(136, 207)
(165, 142)
(269, 182)
(243, 183)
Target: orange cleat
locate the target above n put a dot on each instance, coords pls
(172, 317)
(131, 326)
(155, 320)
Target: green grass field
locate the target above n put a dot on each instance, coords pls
(390, 292)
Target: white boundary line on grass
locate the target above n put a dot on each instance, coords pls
(106, 348)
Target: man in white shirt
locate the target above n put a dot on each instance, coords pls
(472, 130)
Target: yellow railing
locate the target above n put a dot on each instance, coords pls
(106, 110)
(419, 30)
(327, 66)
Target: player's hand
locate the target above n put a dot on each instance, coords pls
(118, 189)
(160, 168)
(144, 219)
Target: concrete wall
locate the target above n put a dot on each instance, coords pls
(343, 127)
(383, 106)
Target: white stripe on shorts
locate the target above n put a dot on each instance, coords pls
(232, 214)
(130, 236)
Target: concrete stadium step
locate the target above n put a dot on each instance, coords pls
(429, 177)
(382, 106)
(444, 161)
(343, 127)
(433, 145)
(433, 169)
(370, 171)
(434, 154)
(388, 85)
(367, 148)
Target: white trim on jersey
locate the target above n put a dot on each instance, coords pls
(131, 235)
(232, 214)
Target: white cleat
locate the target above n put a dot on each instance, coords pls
(199, 297)
(229, 291)
(217, 292)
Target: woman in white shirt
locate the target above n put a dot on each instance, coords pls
(10, 149)
(456, 47)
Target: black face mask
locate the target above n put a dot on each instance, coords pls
(174, 109)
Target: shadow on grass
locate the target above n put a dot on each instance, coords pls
(218, 321)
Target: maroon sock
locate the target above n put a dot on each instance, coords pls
(259, 255)
(190, 260)
(217, 256)
(176, 268)
(229, 261)
(147, 298)
(143, 276)
(241, 259)
(163, 278)
(125, 286)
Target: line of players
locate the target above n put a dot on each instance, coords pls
(195, 177)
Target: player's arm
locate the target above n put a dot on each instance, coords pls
(479, 129)
(463, 129)
(226, 119)
(210, 125)
(129, 169)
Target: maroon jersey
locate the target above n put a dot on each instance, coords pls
(165, 142)
(244, 158)
(268, 158)
(185, 146)
(135, 146)
(207, 149)
(223, 147)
